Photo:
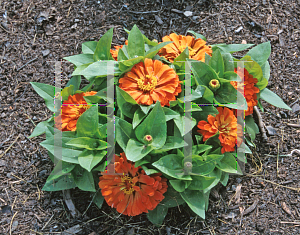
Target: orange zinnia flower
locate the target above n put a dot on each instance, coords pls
(250, 90)
(115, 52)
(71, 110)
(150, 81)
(134, 192)
(197, 47)
(226, 124)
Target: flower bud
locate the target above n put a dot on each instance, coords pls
(214, 84)
(148, 138)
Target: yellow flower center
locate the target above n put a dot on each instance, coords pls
(81, 108)
(127, 189)
(147, 83)
(191, 50)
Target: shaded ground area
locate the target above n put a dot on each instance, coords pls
(34, 34)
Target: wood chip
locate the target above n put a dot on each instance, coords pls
(73, 230)
(286, 208)
(251, 208)
(238, 194)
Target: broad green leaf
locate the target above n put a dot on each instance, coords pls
(180, 123)
(226, 94)
(137, 117)
(88, 143)
(87, 123)
(251, 127)
(172, 198)
(61, 168)
(157, 215)
(135, 150)
(149, 171)
(98, 199)
(224, 178)
(66, 92)
(228, 62)
(46, 92)
(201, 182)
(154, 50)
(146, 108)
(266, 70)
(102, 51)
(206, 110)
(129, 63)
(39, 129)
(121, 55)
(83, 179)
(195, 200)
(230, 48)
(136, 46)
(98, 68)
(231, 76)
(178, 185)
(203, 165)
(215, 173)
(273, 99)
(80, 59)
(75, 81)
(260, 53)
(173, 142)
(216, 62)
(89, 47)
(200, 148)
(170, 114)
(126, 103)
(172, 165)
(88, 159)
(197, 35)
(124, 132)
(62, 183)
(155, 125)
(228, 163)
(180, 60)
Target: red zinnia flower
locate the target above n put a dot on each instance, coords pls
(134, 192)
(150, 81)
(71, 110)
(250, 90)
(225, 123)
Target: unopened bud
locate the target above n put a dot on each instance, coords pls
(148, 138)
(214, 84)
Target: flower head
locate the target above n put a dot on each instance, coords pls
(71, 110)
(197, 47)
(250, 90)
(150, 81)
(214, 84)
(115, 52)
(224, 123)
(134, 192)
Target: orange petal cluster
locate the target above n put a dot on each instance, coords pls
(131, 191)
(150, 81)
(250, 90)
(224, 123)
(114, 52)
(197, 47)
(71, 110)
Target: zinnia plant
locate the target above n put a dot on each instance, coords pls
(174, 115)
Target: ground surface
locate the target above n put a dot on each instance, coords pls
(34, 34)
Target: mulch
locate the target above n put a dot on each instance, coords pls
(35, 34)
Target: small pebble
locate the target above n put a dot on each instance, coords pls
(238, 29)
(188, 13)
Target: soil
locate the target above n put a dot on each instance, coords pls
(35, 34)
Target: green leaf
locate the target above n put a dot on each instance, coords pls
(61, 183)
(98, 68)
(89, 47)
(200, 148)
(154, 50)
(83, 179)
(127, 64)
(224, 178)
(121, 55)
(201, 182)
(102, 51)
(251, 127)
(178, 185)
(227, 94)
(136, 150)
(149, 171)
(155, 125)
(173, 142)
(260, 53)
(87, 123)
(228, 62)
(228, 163)
(60, 169)
(88, 159)
(170, 114)
(206, 110)
(266, 70)
(75, 81)
(136, 46)
(180, 123)
(157, 215)
(180, 60)
(203, 165)
(137, 117)
(197, 35)
(172, 198)
(215, 173)
(80, 59)
(126, 103)
(39, 129)
(46, 92)
(273, 99)
(230, 48)
(66, 92)
(195, 200)
(124, 132)
(98, 199)
(232, 76)
(216, 62)
(88, 143)
(171, 165)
